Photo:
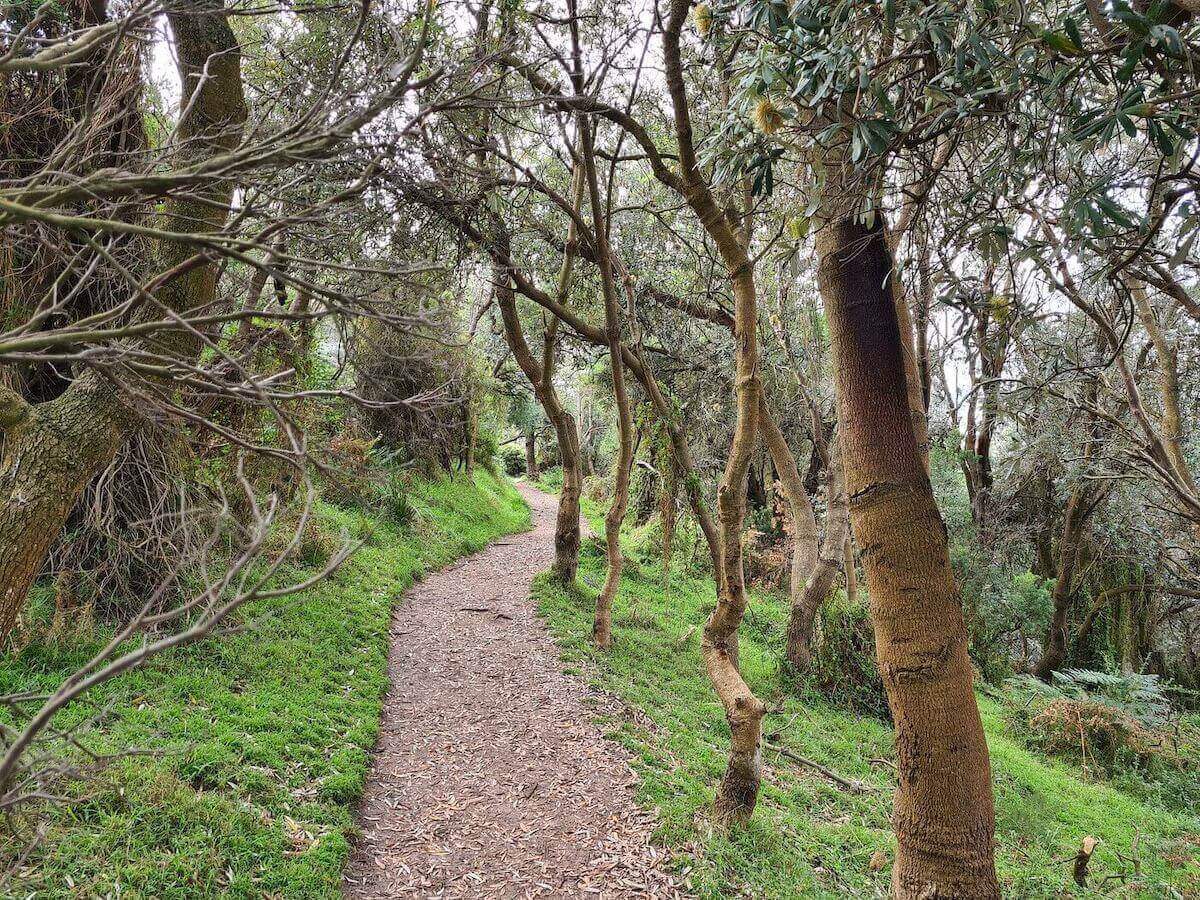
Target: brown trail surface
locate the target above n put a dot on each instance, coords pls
(491, 778)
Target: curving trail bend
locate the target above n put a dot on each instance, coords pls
(490, 778)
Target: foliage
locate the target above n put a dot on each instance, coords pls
(1110, 723)
(417, 390)
(487, 446)
(514, 460)
(262, 739)
(551, 480)
(843, 668)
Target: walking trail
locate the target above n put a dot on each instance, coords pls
(491, 778)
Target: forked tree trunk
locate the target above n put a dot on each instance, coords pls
(807, 602)
(943, 817)
(805, 537)
(52, 450)
(1054, 649)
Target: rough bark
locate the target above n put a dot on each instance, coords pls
(52, 450)
(943, 815)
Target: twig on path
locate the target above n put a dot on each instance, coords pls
(854, 787)
(496, 613)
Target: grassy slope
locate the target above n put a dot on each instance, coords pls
(809, 838)
(264, 736)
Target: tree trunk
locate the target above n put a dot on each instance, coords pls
(602, 622)
(1084, 498)
(943, 817)
(566, 526)
(805, 544)
(850, 568)
(52, 450)
(531, 466)
(1054, 650)
(819, 583)
(541, 379)
(738, 792)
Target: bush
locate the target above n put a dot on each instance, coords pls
(419, 391)
(350, 458)
(1102, 736)
(393, 498)
(487, 444)
(514, 460)
(317, 545)
(142, 517)
(844, 669)
(1106, 722)
(767, 560)
(551, 480)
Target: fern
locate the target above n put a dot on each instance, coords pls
(1141, 696)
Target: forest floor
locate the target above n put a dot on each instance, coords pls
(491, 778)
(259, 743)
(812, 837)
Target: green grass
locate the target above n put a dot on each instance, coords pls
(808, 838)
(262, 739)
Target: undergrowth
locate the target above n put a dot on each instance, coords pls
(261, 740)
(810, 837)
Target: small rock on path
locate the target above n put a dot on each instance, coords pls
(490, 778)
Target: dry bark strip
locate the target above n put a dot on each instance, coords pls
(491, 778)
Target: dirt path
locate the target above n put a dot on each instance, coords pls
(490, 778)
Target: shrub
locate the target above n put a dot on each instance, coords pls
(350, 457)
(767, 560)
(487, 444)
(418, 391)
(1101, 735)
(598, 488)
(393, 497)
(140, 518)
(317, 544)
(514, 460)
(552, 479)
(1105, 721)
(844, 669)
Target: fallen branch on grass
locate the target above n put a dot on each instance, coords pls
(854, 787)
